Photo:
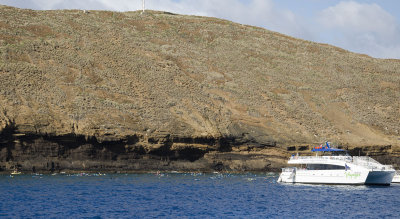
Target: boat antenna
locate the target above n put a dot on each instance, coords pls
(143, 5)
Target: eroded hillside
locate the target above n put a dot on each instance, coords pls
(165, 91)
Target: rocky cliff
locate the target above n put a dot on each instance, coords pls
(102, 90)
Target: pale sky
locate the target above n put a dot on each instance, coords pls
(364, 26)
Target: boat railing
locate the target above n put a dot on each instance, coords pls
(364, 161)
(371, 163)
(288, 169)
(343, 158)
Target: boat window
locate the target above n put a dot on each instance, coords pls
(324, 167)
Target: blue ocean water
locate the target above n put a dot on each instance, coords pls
(173, 195)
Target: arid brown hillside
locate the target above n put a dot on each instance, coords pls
(173, 87)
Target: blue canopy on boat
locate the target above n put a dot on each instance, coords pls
(326, 148)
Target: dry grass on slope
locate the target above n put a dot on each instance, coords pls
(115, 74)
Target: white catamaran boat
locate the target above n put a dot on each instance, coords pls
(335, 166)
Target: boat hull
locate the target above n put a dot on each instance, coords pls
(379, 177)
(325, 177)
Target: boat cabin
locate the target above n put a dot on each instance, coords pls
(331, 159)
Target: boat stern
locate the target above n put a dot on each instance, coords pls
(288, 175)
(396, 178)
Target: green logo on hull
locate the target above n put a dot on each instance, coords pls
(352, 175)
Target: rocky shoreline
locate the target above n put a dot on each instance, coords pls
(31, 153)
